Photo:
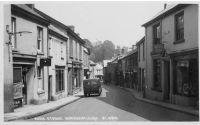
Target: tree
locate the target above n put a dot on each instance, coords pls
(100, 51)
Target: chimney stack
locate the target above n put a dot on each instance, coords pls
(31, 5)
(133, 47)
(165, 6)
(72, 27)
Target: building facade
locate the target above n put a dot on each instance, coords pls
(128, 70)
(92, 69)
(86, 64)
(98, 71)
(8, 60)
(75, 61)
(29, 47)
(141, 63)
(171, 40)
(43, 58)
(57, 52)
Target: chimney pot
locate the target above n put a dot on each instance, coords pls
(165, 6)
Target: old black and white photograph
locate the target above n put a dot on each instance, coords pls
(100, 62)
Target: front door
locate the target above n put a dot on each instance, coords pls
(49, 88)
(24, 90)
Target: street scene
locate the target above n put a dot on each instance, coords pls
(101, 62)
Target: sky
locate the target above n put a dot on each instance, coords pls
(119, 22)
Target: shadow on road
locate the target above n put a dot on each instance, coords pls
(123, 100)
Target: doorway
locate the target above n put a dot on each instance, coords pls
(166, 81)
(49, 88)
(24, 82)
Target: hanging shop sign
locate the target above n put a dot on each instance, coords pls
(45, 62)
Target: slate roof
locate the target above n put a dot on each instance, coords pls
(28, 9)
(170, 9)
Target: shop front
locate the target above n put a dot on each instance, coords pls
(22, 71)
(186, 78)
(74, 77)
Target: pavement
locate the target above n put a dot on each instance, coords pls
(139, 96)
(30, 111)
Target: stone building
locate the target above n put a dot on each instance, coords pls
(172, 61)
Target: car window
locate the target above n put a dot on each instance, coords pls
(94, 83)
(87, 83)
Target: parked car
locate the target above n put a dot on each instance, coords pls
(92, 86)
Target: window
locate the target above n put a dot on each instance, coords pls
(14, 37)
(187, 77)
(40, 39)
(76, 53)
(143, 52)
(61, 50)
(39, 72)
(179, 26)
(59, 79)
(157, 74)
(80, 52)
(70, 47)
(156, 33)
(139, 53)
(40, 78)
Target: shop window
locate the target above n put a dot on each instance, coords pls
(59, 79)
(187, 77)
(157, 74)
(179, 26)
(156, 33)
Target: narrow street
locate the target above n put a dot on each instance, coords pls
(114, 104)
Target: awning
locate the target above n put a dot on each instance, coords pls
(23, 63)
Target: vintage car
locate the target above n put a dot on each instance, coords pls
(92, 86)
